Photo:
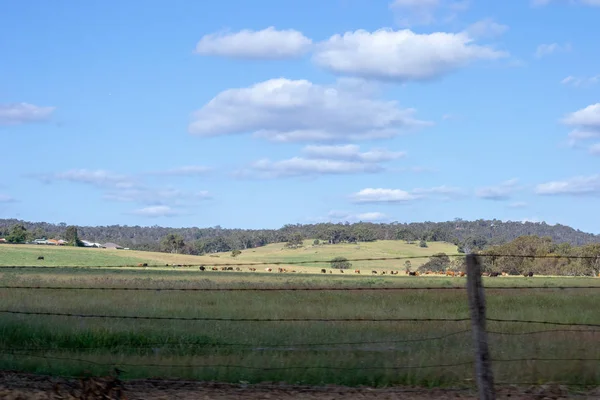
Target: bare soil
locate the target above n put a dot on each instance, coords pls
(20, 386)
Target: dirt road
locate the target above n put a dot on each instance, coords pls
(18, 386)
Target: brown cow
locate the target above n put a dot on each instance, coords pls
(411, 273)
(252, 269)
(323, 271)
(268, 269)
(357, 271)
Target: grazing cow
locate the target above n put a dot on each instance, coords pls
(374, 272)
(268, 269)
(528, 274)
(202, 268)
(450, 273)
(463, 274)
(252, 269)
(341, 271)
(237, 269)
(494, 274)
(323, 271)
(40, 257)
(215, 268)
(411, 273)
(357, 271)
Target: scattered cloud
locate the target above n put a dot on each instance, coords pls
(547, 49)
(344, 216)
(269, 44)
(351, 152)
(98, 178)
(502, 191)
(580, 81)
(155, 212)
(444, 191)
(576, 136)
(518, 204)
(486, 28)
(22, 113)
(425, 12)
(372, 195)
(189, 170)
(155, 196)
(576, 186)
(415, 169)
(4, 198)
(401, 55)
(284, 110)
(298, 166)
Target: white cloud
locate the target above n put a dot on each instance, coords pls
(547, 49)
(155, 212)
(351, 152)
(99, 178)
(502, 191)
(371, 195)
(268, 43)
(401, 55)
(21, 113)
(518, 204)
(188, 170)
(4, 198)
(286, 110)
(588, 117)
(298, 166)
(155, 196)
(425, 12)
(579, 185)
(580, 82)
(446, 192)
(486, 28)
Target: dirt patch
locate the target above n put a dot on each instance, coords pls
(19, 386)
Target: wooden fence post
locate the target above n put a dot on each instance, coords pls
(483, 365)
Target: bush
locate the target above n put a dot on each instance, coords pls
(340, 263)
(422, 243)
(235, 253)
(316, 242)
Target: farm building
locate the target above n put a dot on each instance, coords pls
(112, 246)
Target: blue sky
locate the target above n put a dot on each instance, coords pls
(257, 114)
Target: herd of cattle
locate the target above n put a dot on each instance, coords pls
(373, 272)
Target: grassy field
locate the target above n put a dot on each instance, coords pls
(318, 352)
(26, 255)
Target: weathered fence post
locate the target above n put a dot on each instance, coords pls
(483, 365)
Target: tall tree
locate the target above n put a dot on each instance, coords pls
(172, 243)
(72, 237)
(18, 234)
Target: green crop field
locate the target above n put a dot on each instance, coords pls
(26, 255)
(428, 353)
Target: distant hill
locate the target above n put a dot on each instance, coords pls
(477, 234)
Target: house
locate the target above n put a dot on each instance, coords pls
(112, 246)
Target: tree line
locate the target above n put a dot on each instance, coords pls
(469, 236)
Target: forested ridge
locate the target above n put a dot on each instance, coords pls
(473, 235)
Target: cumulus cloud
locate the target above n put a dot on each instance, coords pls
(576, 186)
(351, 152)
(486, 28)
(286, 110)
(155, 212)
(155, 196)
(503, 191)
(188, 170)
(444, 191)
(580, 81)
(586, 118)
(425, 12)
(268, 43)
(21, 113)
(551, 48)
(595, 149)
(401, 55)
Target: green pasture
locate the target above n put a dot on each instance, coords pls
(318, 352)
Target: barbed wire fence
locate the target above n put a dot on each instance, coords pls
(482, 361)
